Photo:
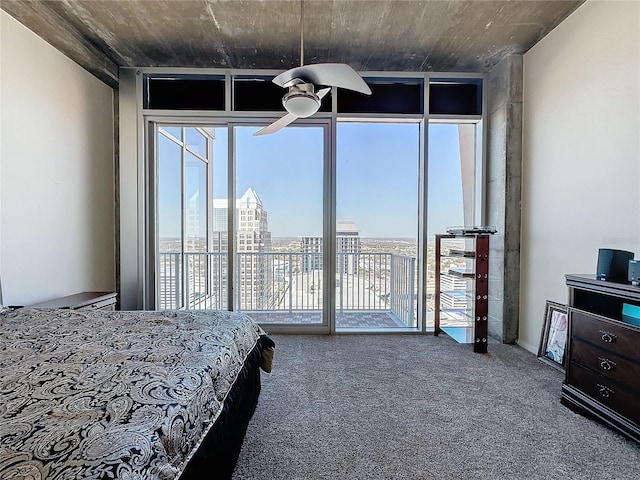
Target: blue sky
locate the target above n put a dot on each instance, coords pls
(376, 180)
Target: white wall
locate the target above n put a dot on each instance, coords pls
(56, 172)
(581, 152)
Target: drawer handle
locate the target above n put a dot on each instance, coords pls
(604, 391)
(608, 337)
(606, 364)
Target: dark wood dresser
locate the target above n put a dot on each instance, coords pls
(603, 354)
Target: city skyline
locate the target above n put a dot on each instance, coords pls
(376, 184)
(280, 195)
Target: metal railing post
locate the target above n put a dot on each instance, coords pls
(410, 309)
(392, 287)
(237, 270)
(340, 287)
(185, 263)
(290, 283)
(178, 279)
(224, 287)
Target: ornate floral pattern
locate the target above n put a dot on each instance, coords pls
(128, 395)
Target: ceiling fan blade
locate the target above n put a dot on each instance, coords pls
(322, 92)
(338, 75)
(277, 125)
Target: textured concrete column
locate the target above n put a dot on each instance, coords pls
(504, 168)
(116, 187)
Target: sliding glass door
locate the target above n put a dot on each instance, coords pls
(279, 268)
(242, 228)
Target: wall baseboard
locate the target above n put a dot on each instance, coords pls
(528, 347)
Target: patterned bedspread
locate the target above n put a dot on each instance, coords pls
(128, 395)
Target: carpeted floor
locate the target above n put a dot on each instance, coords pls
(421, 407)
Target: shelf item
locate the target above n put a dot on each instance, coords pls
(82, 301)
(602, 378)
(472, 230)
(454, 252)
(461, 292)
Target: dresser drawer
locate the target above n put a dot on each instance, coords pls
(604, 391)
(606, 363)
(612, 336)
(108, 304)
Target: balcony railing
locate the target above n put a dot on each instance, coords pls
(289, 282)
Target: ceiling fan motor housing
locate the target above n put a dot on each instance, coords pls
(301, 100)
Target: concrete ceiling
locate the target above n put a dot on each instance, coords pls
(370, 35)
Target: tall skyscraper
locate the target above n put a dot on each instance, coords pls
(254, 275)
(312, 249)
(347, 242)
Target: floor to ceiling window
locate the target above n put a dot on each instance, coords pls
(452, 187)
(192, 260)
(244, 222)
(377, 225)
(181, 190)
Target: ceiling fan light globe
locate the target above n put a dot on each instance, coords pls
(302, 106)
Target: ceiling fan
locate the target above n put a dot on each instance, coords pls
(302, 100)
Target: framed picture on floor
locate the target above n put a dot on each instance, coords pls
(554, 335)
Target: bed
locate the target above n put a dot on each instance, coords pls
(127, 395)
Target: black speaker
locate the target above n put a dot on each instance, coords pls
(634, 272)
(613, 265)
